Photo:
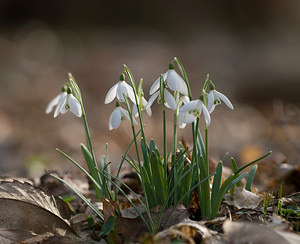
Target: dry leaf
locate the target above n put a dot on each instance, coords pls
(26, 210)
(109, 207)
(189, 231)
(134, 228)
(241, 198)
(242, 232)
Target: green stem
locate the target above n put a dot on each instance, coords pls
(175, 133)
(90, 148)
(206, 150)
(165, 139)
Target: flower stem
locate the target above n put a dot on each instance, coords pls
(165, 139)
(93, 168)
(175, 133)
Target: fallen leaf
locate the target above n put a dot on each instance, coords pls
(109, 207)
(243, 232)
(241, 198)
(26, 210)
(188, 231)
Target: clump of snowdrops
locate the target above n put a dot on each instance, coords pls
(169, 177)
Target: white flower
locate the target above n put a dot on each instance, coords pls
(173, 81)
(194, 108)
(117, 116)
(118, 90)
(68, 102)
(143, 106)
(214, 98)
(55, 100)
(169, 99)
(184, 117)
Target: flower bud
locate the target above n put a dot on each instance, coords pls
(64, 88)
(122, 77)
(171, 65)
(69, 90)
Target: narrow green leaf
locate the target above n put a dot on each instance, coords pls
(83, 198)
(130, 201)
(253, 162)
(216, 182)
(236, 180)
(108, 226)
(234, 167)
(251, 177)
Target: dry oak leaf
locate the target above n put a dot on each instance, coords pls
(27, 209)
(241, 198)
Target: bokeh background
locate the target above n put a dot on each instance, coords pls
(251, 49)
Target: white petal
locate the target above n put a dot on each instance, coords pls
(53, 103)
(180, 118)
(210, 101)
(75, 106)
(152, 99)
(176, 83)
(225, 99)
(189, 106)
(61, 103)
(115, 119)
(122, 88)
(148, 110)
(185, 99)
(134, 110)
(63, 110)
(111, 94)
(130, 93)
(155, 86)
(206, 115)
(183, 87)
(172, 80)
(170, 100)
(125, 112)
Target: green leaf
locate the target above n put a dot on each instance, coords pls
(130, 201)
(108, 226)
(91, 165)
(251, 177)
(236, 180)
(83, 198)
(234, 167)
(216, 182)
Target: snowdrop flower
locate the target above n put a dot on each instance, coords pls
(118, 90)
(68, 102)
(169, 99)
(184, 117)
(143, 106)
(117, 116)
(55, 100)
(195, 108)
(173, 81)
(214, 98)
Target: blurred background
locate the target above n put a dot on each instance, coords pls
(251, 49)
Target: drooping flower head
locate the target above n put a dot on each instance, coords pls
(214, 98)
(118, 90)
(184, 117)
(56, 99)
(169, 100)
(117, 116)
(172, 80)
(195, 108)
(143, 105)
(68, 102)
